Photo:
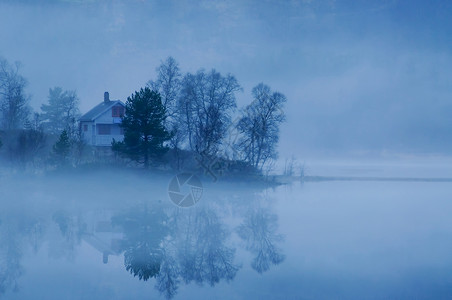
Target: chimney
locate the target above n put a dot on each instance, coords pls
(106, 97)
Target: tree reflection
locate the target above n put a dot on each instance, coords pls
(172, 245)
(191, 245)
(184, 246)
(259, 231)
(168, 280)
(202, 250)
(144, 230)
(10, 257)
(71, 229)
(34, 229)
(15, 233)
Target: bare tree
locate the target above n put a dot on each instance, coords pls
(291, 166)
(259, 126)
(13, 100)
(206, 103)
(169, 84)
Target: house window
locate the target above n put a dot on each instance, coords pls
(85, 127)
(121, 130)
(103, 129)
(117, 111)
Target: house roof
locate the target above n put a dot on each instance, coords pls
(99, 109)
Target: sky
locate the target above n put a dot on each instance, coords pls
(362, 78)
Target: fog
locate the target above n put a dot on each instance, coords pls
(351, 202)
(350, 240)
(110, 242)
(361, 78)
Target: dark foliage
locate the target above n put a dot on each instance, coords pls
(145, 134)
(144, 232)
(62, 148)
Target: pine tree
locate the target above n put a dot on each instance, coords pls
(61, 112)
(144, 128)
(62, 148)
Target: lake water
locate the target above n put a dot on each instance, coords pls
(118, 236)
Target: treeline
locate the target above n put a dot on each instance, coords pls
(37, 140)
(178, 120)
(194, 117)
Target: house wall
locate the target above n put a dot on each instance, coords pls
(106, 139)
(92, 136)
(87, 135)
(106, 118)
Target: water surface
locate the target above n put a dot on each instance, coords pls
(117, 236)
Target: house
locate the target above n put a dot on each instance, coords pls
(101, 125)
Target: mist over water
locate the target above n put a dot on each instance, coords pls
(350, 240)
(356, 205)
(101, 240)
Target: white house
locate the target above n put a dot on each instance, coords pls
(100, 125)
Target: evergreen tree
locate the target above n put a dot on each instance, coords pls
(144, 128)
(61, 113)
(169, 83)
(30, 145)
(62, 148)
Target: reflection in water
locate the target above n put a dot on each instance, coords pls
(173, 246)
(71, 230)
(168, 279)
(186, 245)
(201, 248)
(35, 233)
(15, 233)
(144, 231)
(258, 230)
(10, 256)
(101, 234)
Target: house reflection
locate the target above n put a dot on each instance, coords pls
(101, 234)
(105, 239)
(173, 246)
